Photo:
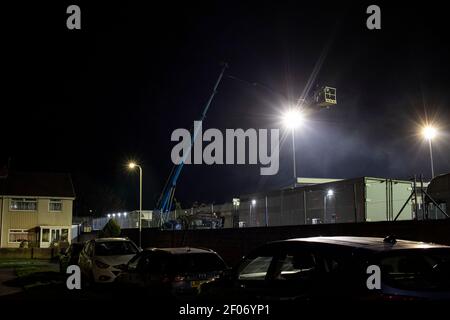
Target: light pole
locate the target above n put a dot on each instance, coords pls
(292, 119)
(133, 165)
(329, 193)
(429, 132)
(252, 204)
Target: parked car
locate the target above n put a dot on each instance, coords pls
(70, 256)
(100, 257)
(318, 268)
(177, 272)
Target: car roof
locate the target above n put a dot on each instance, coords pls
(368, 243)
(110, 239)
(181, 250)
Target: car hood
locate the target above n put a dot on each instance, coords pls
(115, 260)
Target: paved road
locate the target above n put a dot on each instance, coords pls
(7, 275)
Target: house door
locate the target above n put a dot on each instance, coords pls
(45, 238)
(55, 235)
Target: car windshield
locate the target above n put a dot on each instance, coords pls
(197, 262)
(115, 248)
(422, 269)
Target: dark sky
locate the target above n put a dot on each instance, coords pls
(86, 101)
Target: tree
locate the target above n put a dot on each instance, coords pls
(110, 230)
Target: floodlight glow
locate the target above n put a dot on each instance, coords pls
(330, 193)
(109, 215)
(125, 214)
(253, 202)
(429, 132)
(131, 165)
(119, 214)
(293, 118)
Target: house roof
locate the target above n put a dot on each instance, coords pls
(37, 184)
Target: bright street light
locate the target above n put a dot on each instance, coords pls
(293, 118)
(253, 202)
(429, 133)
(133, 165)
(330, 193)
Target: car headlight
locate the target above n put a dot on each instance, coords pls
(101, 265)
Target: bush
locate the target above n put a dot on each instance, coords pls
(110, 230)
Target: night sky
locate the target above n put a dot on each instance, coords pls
(87, 101)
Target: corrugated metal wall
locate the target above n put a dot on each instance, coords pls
(313, 205)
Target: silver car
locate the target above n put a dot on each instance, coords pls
(100, 258)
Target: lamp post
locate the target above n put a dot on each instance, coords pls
(429, 133)
(292, 119)
(133, 165)
(252, 204)
(329, 193)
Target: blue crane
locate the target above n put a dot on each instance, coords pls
(166, 199)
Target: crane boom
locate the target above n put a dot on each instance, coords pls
(166, 198)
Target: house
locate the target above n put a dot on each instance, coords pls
(35, 207)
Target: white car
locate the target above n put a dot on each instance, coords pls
(100, 259)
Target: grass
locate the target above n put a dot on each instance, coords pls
(31, 273)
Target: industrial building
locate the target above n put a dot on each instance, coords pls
(312, 201)
(316, 201)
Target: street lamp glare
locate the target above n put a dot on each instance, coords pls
(293, 118)
(131, 165)
(330, 192)
(253, 202)
(429, 132)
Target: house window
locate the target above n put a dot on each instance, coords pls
(55, 205)
(23, 204)
(18, 235)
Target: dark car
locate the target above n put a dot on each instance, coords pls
(313, 269)
(70, 256)
(172, 271)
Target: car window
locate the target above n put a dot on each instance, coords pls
(296, 266)
(417, 270)
(133, 263)
(255, 268)
(115, 248)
